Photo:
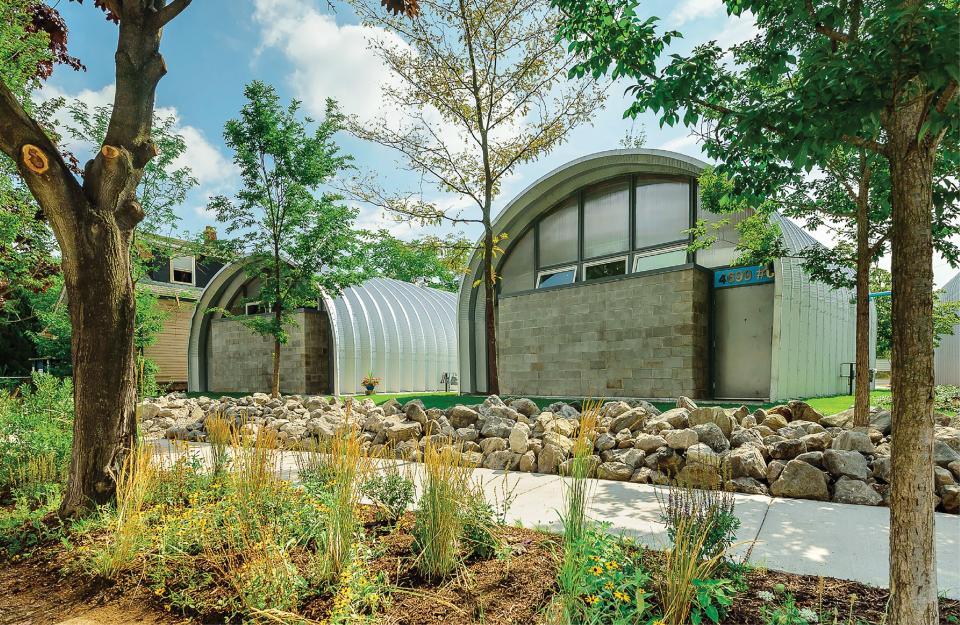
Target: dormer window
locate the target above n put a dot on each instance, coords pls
(183, 270)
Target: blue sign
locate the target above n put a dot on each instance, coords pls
(742, 276)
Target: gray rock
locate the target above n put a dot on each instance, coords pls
(942, 477)
(700, 475)
(467, 434)
(614, 471)
(943, 453)
(840, 420)
(850, 464)
(398, 431)
(711, 434)
(747, 485)
(881, 468)
(746, 461)
(818, 441)
(743, 436)
(853, 440)
(801, 480)
(787, 449)
(950, 499)
(605, 442)
(630, 457)
(497, 427)
(493, 444)
(526, 407)
(812, 457)
(774, 469)
(802, 411)
(847, 490)
(550, 458)
(702, 453)
(686, 402)
(954, 468)
(881, 421)
(500, 460)
(678, 418)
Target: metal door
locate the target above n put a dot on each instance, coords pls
(743, 341)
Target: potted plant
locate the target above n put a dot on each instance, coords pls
(370, 382)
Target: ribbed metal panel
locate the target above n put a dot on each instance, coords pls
(947, 355)
(814, 327)
(402, 333)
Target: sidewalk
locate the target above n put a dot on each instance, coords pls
(792, 535)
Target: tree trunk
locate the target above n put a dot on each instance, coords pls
(489, 311)
(861, 403)
(102, 312)
(275, 379)
(913, 570)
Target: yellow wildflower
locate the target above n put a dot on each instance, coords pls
(596, 570)
(592, 599)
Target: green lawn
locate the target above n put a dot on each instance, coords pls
(824, 405)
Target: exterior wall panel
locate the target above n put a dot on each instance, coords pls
(947, 355)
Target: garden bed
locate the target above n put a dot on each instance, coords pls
(516, 591)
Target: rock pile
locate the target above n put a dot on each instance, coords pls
(786, 451)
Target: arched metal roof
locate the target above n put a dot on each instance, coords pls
(403, 333)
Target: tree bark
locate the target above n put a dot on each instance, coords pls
(861, 403)
(489, 310)
(93, 223)
(913, 571)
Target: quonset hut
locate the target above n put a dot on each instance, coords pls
(600, 297)
(947, 355)
(403, 333)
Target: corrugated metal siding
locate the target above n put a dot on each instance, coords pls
(403, 333)
(170, 350)
(814, 327)
(946, 361)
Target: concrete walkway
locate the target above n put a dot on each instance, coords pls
(793, 535)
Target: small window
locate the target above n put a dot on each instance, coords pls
(256, 308)
(556, 277)
(660, 259)
(605, 268)
(182, 270)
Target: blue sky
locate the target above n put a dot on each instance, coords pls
(309, 52)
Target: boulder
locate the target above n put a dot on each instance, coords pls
(630, 457)
(677, 418)
(881, 469)
(841, 463)
(604, 442)
(398, 431)
(613, 409)
(496, 427)
(742, 437)
(717, 416)
(943, 453)
(801, 480)
(493, 444)
(461, 416)
(702, 453)
(818, 441)
(812, 457)
(950, 499)
(467, 434)
(839, 420)
(680, 439)
(686, 402)
(747, 485)
(775, 421)
(526, 407)
(954, 468)
(614, 471)
(711, 434)
(649, 442)
(942, 477)
(854, 440)
(881, 421)
(632, 419)
(519, 438)
(787, 449)
(848, 490)
(803, 411)
(774, 469)
(528, 462)
(550, 458)
(746, 461)
(700, 475)
(500, 460)
(148, 411)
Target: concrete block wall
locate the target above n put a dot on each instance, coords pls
(242, 361)
(642, 336)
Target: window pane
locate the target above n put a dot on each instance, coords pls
(723, 251)
(605, 270)
(659, 261)
(182, 263)
(558, 236)
(555, 278)
(517, 272)
(663, 212)
(606, 220)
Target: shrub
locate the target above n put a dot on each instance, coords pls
(710, 510)
(479, 525)
(687, 589)
(36, 433)
(389, 490)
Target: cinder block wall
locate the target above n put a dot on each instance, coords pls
(242, 361)
(642, 336)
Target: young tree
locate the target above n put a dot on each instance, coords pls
(297, 242)
(877, 75)
(946, 314)
(440, 264)
(482, 88)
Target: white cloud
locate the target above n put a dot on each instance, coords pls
(694, 9)
(681, 144)
(328, 59)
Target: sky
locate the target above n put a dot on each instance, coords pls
(310, 52)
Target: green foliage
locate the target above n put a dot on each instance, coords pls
(437, 263)
(36, 433)
(282, 224)
(29, 524)
(713, 597)
(479, 525)
(701, 510)
(946, 314)
(390, 491)
(787, 613)
(605, 579)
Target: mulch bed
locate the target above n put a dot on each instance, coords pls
(510, 591)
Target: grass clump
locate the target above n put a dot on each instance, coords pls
(439, 525)
(390, 489)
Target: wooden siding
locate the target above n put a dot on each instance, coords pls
(170, 350)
